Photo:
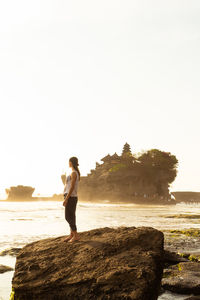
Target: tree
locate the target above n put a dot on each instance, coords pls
(158, 167)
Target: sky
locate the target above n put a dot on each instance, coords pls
(82, 78)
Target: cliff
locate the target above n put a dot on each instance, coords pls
(106, 263)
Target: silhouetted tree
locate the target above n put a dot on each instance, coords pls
(158, 167)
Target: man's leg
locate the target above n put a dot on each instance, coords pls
(73, 220)
(68, 219)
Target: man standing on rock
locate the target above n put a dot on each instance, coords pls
(71, 198)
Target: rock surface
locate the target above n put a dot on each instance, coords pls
(183, 241)
(10, 251)
(4, 269)
(106, 263)
(172, 258)
(183, 278)
(193, 298)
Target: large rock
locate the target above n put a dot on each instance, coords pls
(183, 278)
(107, 263)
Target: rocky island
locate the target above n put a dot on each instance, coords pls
(142, 178)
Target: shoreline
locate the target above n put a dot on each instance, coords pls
(138, 201)
(96, 201)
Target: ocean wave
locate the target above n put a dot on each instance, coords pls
(101, 205)
(19, 219)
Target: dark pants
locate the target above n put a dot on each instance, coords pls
(70, 209)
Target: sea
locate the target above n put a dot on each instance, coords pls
(25, 222)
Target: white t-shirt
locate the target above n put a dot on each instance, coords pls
(68, 185)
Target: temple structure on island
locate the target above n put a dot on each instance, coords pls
(125, 178)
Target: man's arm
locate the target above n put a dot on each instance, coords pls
(73, 181)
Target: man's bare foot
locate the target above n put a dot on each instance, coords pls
(68, 238)
(74, 238)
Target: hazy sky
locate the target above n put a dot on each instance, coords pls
(82, 78)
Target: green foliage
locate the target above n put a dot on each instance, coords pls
(127, 155)
(189, 232)
(193, 257)
(179, 267)
(159, 165)
(184, 255)
(12, 294)
(159, 159)
(117, 167)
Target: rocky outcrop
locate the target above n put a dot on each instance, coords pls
(106, 263)
(20, 192)
(139, 178)
(188, 197)
(4, 269)
(193, 298)
(183, 241)
(11, 251)
(183, 278)
(172, 258)
(182, 262)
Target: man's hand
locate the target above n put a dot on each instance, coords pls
(65, 202)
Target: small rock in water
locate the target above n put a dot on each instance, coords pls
(4, 269)
(173, 257)
(182, 278)
(10, 251)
